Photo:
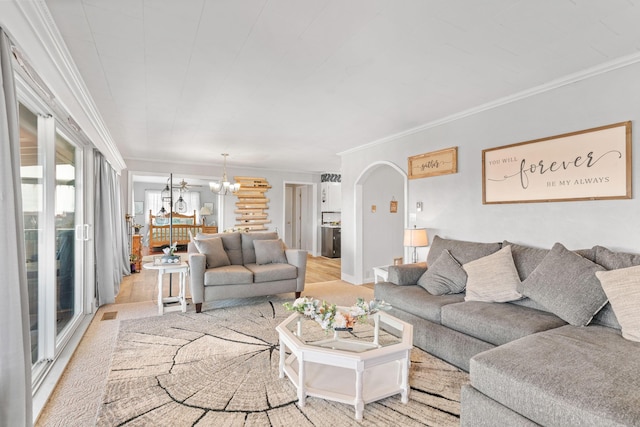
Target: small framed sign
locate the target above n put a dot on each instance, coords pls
(435, 163)
(393, 207)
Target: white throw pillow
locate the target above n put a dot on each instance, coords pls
(493, 278)
(622, 287)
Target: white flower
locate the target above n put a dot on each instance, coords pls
(339, 321)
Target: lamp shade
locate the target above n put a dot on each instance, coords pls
(205, 211)
(415, 237)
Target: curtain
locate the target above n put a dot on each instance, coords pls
(15, 354)
(111, 243)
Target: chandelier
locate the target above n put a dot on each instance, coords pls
(224, 187)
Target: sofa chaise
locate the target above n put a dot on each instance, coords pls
(548, 336)
(241, 265)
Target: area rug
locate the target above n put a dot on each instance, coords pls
(220, 368)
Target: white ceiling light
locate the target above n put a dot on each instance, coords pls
(224, 187)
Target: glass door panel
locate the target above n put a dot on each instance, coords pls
(32, 175)
(65, 223)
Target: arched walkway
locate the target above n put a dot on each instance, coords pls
(378, 178)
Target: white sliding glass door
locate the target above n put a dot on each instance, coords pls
(52, 184)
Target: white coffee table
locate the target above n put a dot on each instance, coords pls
(368, 364)
(183, 269)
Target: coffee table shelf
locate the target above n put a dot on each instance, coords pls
(361, 368)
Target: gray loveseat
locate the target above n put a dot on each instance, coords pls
(552, 352)
(241, 265)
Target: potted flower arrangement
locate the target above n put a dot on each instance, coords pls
(133, 258)
(169, 257)
(331, 317)
(137, 228)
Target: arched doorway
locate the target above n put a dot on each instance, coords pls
(378, 230)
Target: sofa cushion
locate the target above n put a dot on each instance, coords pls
(415, 300)
(492, 278)
(271, 272)
(269, 252)
(622, 287)
(497, 323)
(248, 250)
(406, 274)
(213, 250)
(232, 245)
(461, 250)
(564, 376)
(565, 284)
(444, 276)
(228, 275)
(613, 260)
(525, 258)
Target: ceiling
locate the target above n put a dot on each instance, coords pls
(288, 84)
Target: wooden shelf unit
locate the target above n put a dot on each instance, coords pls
(252, 203)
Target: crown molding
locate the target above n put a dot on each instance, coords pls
(554, 84)
(37, 14)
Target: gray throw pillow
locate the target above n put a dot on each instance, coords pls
(462, 251)
(269, 252)
(214, 251)
(248, 249)
(566, 285)
(612, 260)
(493, 278)
(623, 290)
(444, 277)
(232, 245)
(525, 258)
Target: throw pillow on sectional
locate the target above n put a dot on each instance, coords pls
(214, 251)
(566, 285)
(525, 258)
(493, 278)
(445, 276)
(461, 250)
(622, 287)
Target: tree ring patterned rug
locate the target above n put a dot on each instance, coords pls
(220, 368)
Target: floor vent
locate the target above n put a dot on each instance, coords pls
(109, 315)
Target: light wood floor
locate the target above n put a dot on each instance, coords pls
(142, 286)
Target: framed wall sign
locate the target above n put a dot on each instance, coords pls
(592, 164)
(440, 162)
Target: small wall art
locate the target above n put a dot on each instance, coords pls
(592, 164)
(435, 163)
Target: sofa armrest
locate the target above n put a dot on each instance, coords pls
(298, 258)
(197, 266)
(406, 274)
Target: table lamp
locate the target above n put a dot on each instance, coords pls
(414, 238)
(204, 211)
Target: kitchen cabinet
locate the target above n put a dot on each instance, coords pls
(331, 196)
(331, 242)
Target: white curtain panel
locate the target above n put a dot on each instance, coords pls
(111, 254)
(15, 355)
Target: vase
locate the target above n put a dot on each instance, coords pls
(170, 259)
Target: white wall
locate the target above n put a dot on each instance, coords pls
(453, 203)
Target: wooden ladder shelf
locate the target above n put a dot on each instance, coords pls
(252, 203)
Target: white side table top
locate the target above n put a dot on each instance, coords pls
(166, 267)
(381, 272)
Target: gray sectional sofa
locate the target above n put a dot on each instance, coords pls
(241, 265)
(549, 336)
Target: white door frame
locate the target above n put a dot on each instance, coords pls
(312, 227)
